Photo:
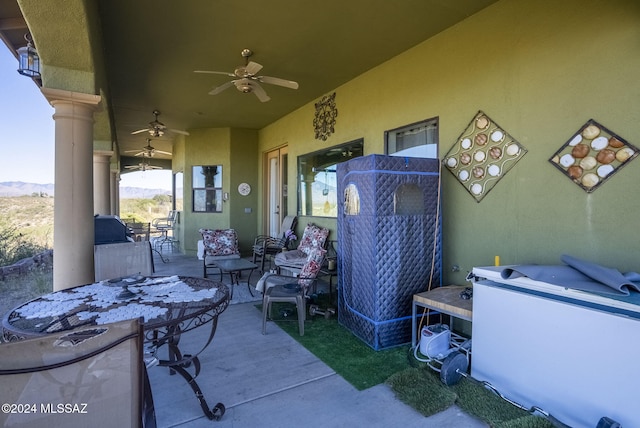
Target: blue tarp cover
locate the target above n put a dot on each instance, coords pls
(580, 275)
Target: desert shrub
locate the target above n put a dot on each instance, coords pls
(143, 210)
(15, 246)
(133, 218)
(162, 199)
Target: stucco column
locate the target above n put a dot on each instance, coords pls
(73, 209)
(102, 182)
(115, 193)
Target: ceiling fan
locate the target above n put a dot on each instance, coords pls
(157, 129)
(247, 81)
(147, 151)
(142, 166)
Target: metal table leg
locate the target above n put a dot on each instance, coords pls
(179, 362)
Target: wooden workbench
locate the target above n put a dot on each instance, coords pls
(445, 300)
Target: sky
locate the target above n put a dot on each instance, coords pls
(27, 133)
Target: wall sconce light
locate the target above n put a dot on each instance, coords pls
(29, 61)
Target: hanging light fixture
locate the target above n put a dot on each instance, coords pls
(29, 61)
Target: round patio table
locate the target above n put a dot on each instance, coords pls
(169, 305)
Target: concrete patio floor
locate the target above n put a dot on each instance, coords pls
(271, 380)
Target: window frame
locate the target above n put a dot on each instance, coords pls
(206, 189)
(389, 134)
(320, 161)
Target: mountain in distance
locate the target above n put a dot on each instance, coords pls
(141, 193)
(19, 188)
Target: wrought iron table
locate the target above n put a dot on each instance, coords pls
(170, 306)
(234, 268)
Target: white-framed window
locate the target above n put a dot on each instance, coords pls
(207, 189)
(417, 140)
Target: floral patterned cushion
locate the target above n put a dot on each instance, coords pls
(312, 238)
(220, 242)
(311, 267)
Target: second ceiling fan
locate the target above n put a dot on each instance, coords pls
(157, 129)
(147, 151)
(247, 81)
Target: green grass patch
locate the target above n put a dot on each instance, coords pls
(413, 382)
(421, 388)
(347, 355)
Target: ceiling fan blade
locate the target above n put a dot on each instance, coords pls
(260, 93)
(162, 153)
(221, 88)
(252, 68)
(277, 81)
(224, 73)
(178, 131)
(140, 131)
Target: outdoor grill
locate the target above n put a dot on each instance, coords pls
(109, 229)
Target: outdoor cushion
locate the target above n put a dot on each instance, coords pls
(313, 237)
(220, 242)
(312, 267)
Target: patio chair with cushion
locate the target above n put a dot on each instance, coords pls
(265, 245)
(313, 237)
(96, 373)
(219, 244)
(282, 288)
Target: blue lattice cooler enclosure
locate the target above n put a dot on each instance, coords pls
(389, 244)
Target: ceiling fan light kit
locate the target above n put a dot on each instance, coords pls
(147, 151)
(157, 129)
(247, 81)
(142, 166)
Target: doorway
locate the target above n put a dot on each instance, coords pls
(276, 200)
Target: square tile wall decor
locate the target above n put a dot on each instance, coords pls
(482, 155)
(592, 155)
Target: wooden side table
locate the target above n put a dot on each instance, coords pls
(445, 300)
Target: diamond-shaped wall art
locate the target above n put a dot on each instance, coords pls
(592, 155)
(482, 155)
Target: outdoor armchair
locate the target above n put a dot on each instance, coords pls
(313, 237)
(265, 245)
(219, 244)
(291, 289)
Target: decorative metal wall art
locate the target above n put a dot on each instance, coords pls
(482, 155)
(325, 118)
(592, 155)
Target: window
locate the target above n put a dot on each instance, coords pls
(317, 180)
(207, 189)
(178, 193)
(408, 199)
(418, 140)
(351, 200)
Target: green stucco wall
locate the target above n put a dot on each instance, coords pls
(540, 69)
(244, 169)
(233, 149)
(205, 147)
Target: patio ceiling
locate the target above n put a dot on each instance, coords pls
(151, 49)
